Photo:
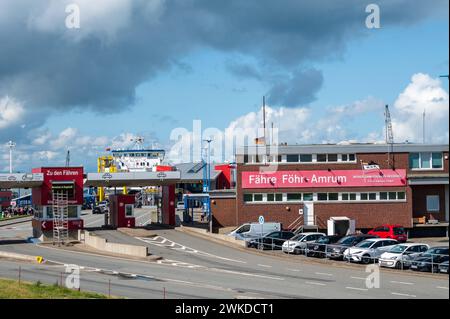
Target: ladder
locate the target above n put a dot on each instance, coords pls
(60, 217)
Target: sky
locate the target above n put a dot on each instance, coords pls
(152, 67)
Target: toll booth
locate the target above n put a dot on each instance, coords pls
(121, 211)
(65, 181)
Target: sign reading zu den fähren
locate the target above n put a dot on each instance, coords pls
(333, 178)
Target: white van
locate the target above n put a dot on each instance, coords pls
(252, 230)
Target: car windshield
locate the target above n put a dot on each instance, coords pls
(365, 244)
(345, 241)
(323, 240)
(398, 249)
(399, 230)
(298, 237)
(435, 252)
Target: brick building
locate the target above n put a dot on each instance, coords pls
(368, 183)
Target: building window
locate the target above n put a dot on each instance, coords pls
(364, 196)
(274, 197)
(322, 196)
(280, 158)
(294, 197)
(372, 196)
(129, 210)
(348, 157)
(436, 160)
(383, 196)
(306, 158)
(248, 197)
(392, 195)
(432, 203)
(425, 160)
(258, 197)
(292, 158)
(349, 196)
(308, 197)
(401, 195)
(333, 196)
(332, 158)
(245, 158)
(322, 158)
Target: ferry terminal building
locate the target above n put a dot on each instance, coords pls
(371, 184)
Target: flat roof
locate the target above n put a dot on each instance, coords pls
(21, 180)
(341, 148)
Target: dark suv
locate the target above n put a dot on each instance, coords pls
(336, 251)
(317, 248)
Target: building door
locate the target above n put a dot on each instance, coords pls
(308, 213)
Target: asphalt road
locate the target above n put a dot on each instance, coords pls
(196, 268)
(142, 215)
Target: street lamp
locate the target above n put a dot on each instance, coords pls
(207, 182)
(11, 145)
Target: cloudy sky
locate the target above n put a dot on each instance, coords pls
(149, 67)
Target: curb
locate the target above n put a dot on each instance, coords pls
(16, 221)
(5, 254)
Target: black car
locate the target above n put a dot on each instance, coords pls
(336, 251)
(430, 260)
(317, 248)
(443, 267)
(273, 240)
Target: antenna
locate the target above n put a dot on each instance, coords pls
(264, 118)
(68, 158)
(389, 132)
(138, 142)
(423, 127)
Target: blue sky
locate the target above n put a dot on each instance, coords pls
(187, 75)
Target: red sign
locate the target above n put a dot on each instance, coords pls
(47, 225)
(332, 178)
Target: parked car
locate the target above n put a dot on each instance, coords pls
(250, 231)
(430, 260)
(336, 251)
(369, 250)
(273, 240)
(396, 232)
(443, 267)
(317, 248)
(297, 244)
(400, 254)
(180, 205)
(101, 208)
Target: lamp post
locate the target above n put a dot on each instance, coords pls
(11, 145)
(208, 181)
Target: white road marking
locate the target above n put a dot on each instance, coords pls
(267, 266)
(290, 269)
(440, 287)
(405, 295)
(354, 288)
(401, 282)
(359, 278)
(164, 242)
(315, 283)
(323, 273)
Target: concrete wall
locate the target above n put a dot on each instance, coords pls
(102, 244)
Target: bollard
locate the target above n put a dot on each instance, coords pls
(20, 270)
(109, 288)
(164, 292)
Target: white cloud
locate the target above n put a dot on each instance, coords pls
(11, 112)
(64, 139)
(422, 94)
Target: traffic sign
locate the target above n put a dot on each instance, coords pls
(261, 219)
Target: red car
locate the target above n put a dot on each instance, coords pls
(396, 232)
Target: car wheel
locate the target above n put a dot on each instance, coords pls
(365, 259)
(398, 265)
(261, 246)
(297, 251)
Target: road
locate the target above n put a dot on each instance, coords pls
(195, 268)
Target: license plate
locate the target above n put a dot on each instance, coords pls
(414, 267)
